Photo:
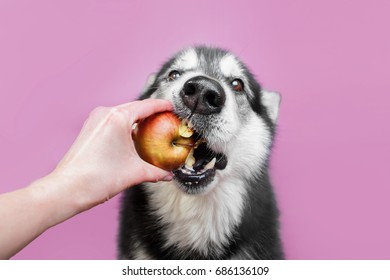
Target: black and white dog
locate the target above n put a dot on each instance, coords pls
(222, 207)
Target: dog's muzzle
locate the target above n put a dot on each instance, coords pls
(203, 95)
(205, 98)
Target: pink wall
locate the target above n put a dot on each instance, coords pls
(329, 59)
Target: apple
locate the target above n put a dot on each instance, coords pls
(163, 140)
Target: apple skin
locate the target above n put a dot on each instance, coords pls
(158, 142)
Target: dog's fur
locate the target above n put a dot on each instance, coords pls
(232, 214)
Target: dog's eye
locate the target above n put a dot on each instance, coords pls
(237, 85)
(173, 75)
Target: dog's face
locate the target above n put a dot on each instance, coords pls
(217, 94)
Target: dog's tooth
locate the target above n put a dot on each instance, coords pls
(187, 170)
(211, 164)
(190, 160)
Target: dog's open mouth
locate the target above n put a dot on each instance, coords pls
(200, 167)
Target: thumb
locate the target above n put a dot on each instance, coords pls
(155, 174)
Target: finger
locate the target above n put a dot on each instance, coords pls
(144, 108)
(152, 173)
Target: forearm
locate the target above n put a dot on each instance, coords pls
(28, 212)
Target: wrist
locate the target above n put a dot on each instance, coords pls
(55, 197)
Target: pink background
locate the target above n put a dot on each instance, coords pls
(329, 59)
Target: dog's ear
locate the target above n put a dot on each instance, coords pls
(271, 100)
(149, 81)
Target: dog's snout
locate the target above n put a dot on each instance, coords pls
(203, 95)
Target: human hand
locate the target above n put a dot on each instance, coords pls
(103, 161)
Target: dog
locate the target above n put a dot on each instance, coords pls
(223, 207)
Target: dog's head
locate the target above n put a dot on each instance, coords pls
(218, 95)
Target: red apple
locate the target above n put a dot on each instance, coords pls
(163, 140)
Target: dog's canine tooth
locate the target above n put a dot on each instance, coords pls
(190, 160)
(211, 164)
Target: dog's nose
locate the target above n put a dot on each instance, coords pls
(203, 95)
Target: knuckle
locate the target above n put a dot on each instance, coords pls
(98, 111)
(117, 114)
